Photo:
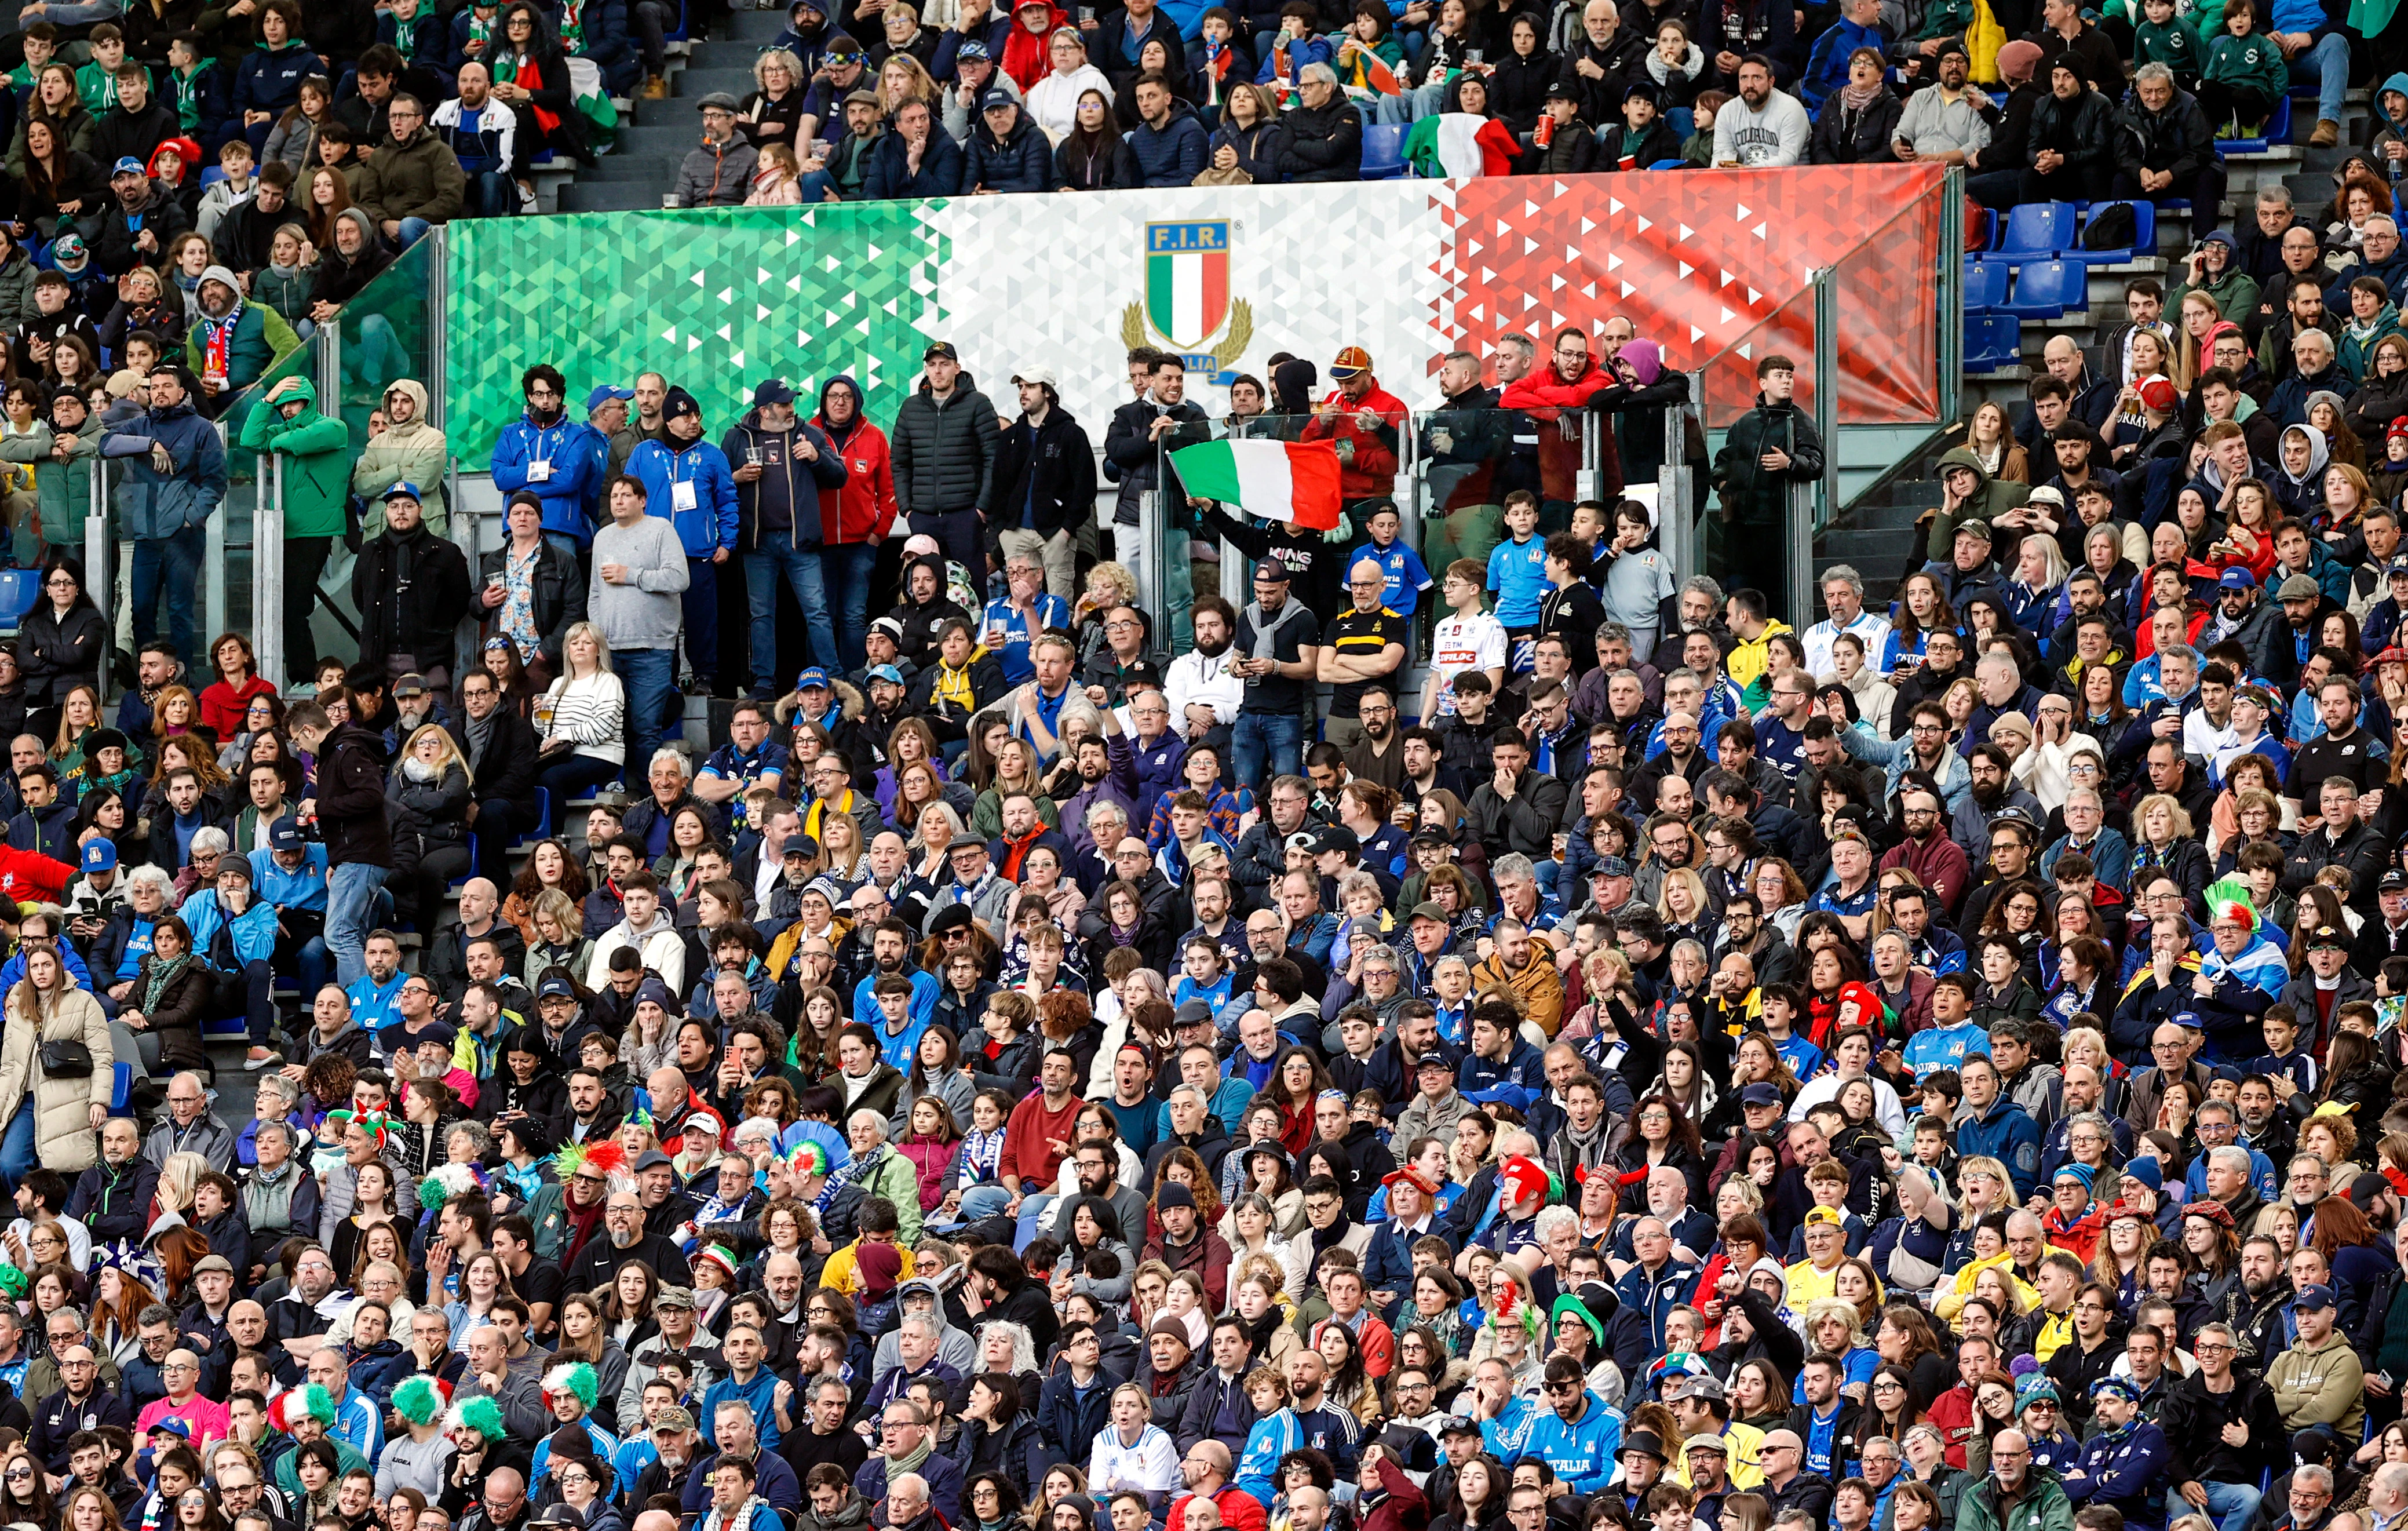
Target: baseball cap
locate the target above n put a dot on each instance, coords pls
(2364, 1190)
(2236, 579)
(99, 855)
(773, 391)
(2315, 1297)
(169, 1424)
(2393, 881)
(606, 393)
(1028, 374)
(971, 50)
(2327, 936)
(1337, 838)
(887, 673)
(796, 845)
(1434, 1060)
(129, 165)
(1610, 867)
(1271, 570)
(941, 348)
(674, 1296)
(1696, 1385)
(1349, 361)
(413, 685)
(811, 676)
(402, 490)
(2158, 394)
(1976, 528)
(673, 1420)
(1426, 912)
(1760, 1094)
(555, 988)
(994, 96)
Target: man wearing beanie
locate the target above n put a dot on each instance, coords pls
(1996, 167)
(1185, 1244)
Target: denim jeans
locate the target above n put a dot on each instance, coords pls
(701, 604)
(2325, 66)
(2233, 1505)
(18, 1145)
(1279, 736)
(650, 676)
(492, 195)
(573, 776)
(168, 569)
(412, 231)
(351, 903)
(842, 637)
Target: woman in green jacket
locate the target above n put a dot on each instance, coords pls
(316, 452)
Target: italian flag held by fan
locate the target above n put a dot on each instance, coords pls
(1278, 480)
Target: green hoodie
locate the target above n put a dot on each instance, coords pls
(2173, 45)
(2253, 63)
(1985, 503)
(317, 459)
(63, 489)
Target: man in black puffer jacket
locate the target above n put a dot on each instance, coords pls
(944, 447)
(1324, 132)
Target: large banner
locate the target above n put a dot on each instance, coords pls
(1703, 263)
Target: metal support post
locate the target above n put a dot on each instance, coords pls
(1950, 350)
(1675, 524)
(1825, 502)
(214, 560)
(268, 594)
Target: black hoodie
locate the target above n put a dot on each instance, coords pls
(924, 622)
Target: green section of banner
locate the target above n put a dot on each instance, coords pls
(714, 300)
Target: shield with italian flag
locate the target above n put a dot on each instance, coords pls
(1278, 480)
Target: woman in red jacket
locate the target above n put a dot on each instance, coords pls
(224, 704)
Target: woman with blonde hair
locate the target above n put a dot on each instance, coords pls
(2163, 841)
(582, 719)
(1108, 584)
(903, 78)
(773, 113)
(1015, 771)
(427, 800)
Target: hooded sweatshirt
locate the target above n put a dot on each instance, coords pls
(862, 505)
(317, 453)
(415, 452)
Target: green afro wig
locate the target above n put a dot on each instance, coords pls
(480, 1414)
(419, 1400)
(317, 1403)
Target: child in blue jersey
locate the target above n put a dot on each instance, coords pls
(1204, 974)
(1407, 575)
(1517, 575)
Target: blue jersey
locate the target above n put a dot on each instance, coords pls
(1517, 577)
(1407, 576)
(1007, 633)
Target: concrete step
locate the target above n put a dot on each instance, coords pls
(611, 195)
(653, 169)
(754, 29)
(1894, 516)
(695, 83)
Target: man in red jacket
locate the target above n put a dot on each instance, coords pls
(1363, 419)
(1035, 1140)
(1555, 396)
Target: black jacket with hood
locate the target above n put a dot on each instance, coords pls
(769, 503)
(1045, 477)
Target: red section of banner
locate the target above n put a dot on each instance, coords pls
(1700, 261)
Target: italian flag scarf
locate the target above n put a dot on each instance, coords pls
(217, 339)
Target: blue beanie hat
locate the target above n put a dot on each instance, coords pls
(2147, 1171)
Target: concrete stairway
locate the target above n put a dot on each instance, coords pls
(1876, 534)
(643, 165)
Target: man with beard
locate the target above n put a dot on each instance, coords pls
(1942, 123)
(623, 1222)
(1201, 688)
(232, 342)
(1137, 444)
(413, 588)
(1990, 795)
(1363, 647)
(170, 491)
(925, 609)
(552, 457)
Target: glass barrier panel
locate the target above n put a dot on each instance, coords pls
(1745, 537)
(1224, 541)
(385, 336)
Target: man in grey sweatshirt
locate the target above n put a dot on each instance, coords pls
(639, 574)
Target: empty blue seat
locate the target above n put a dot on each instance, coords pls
(1985, 286)
(2048, 289)
(1993, 341)
(214, 173)
(2037, 231)
(1383, 151)
(2145, 235)
(18, 590)
(1683, 121)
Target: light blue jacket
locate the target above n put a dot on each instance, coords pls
(572, 490)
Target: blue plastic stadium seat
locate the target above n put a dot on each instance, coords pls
(2278, 131)
(1993, 341)
(214, 173)
(2145, 235)
(18, 590)
(225, 1026)
(120, 1088)
(1985, 286)
(2037, 231)
(2047, 289)
(1383, 151)
(1683, 121)
(1669, 165)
